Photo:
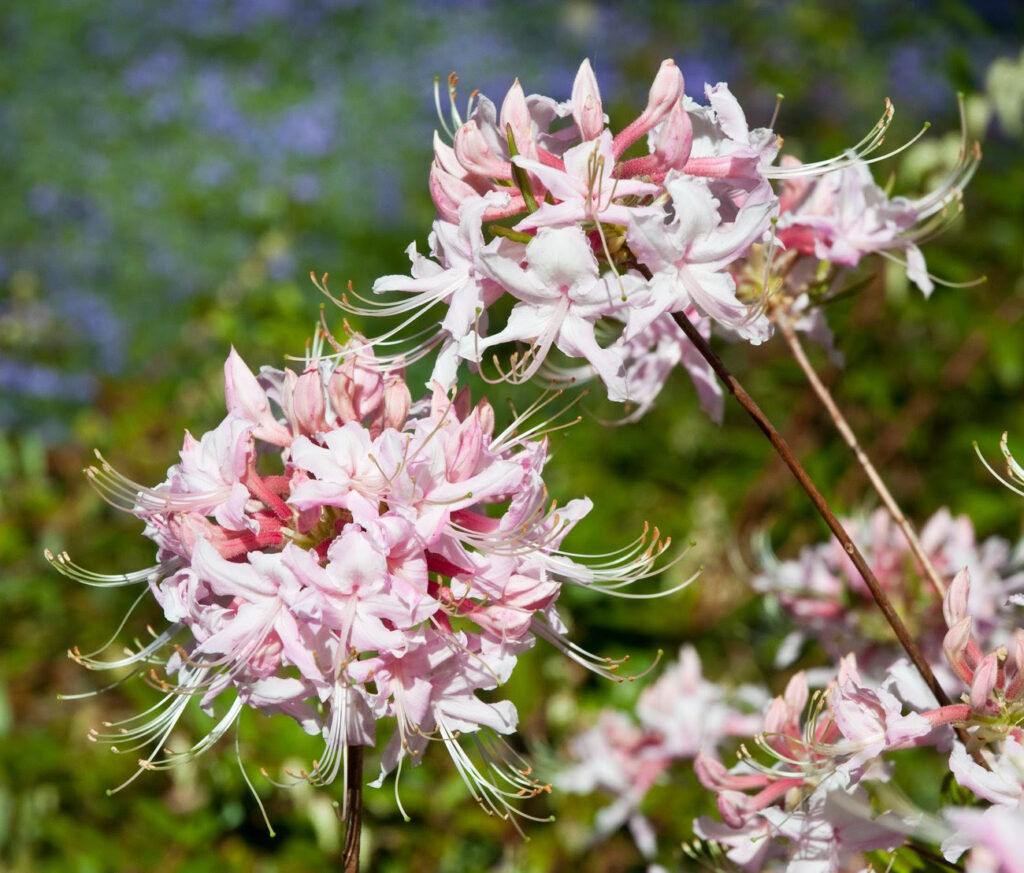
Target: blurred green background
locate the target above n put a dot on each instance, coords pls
(172, 172)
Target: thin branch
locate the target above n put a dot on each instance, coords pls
(353, 809)
(784, 452)
(848, 435)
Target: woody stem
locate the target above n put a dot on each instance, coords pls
(353, 809)
(796, 468)
(851, 440)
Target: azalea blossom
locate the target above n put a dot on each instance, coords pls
(678, 716)
(827, 599)
(597, 251)
(808, 806)
(538, 202)
(341, 555)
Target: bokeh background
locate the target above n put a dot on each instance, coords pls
(172, 171)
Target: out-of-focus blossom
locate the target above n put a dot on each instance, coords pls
(990, 836)
(677, 717)
(828, 600)
(844, 216)
(334, 552)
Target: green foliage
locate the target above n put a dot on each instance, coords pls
(110, 208)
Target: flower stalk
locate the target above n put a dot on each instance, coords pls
(796, 468)
(846, 432)
(353, 809)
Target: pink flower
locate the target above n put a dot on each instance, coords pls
(597, 249)
(560, 295)
(992, 836)
(679, 715)
(823, 592)
(811, 798)
(326, 589)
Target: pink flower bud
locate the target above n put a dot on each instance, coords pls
(984, 681)
(475, 154)
(307, 403)
(675, 138)
(954, 604)
(665, 92)
(586, 103)
(955, 645)
(247, 400)
(448, 192)
(355, 391)
(485, 415)
(735, 808)
(1018, 649)
(710, 771)
(397, 401)
(463, 451)
(1016, 685)
(516, 114)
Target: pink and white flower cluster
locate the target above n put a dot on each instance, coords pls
(677, 717)
(599, 249)
(828, 601)
(540, 202)
(808, 809)
(336, 553)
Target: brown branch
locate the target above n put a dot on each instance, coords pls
(784, 452)
(846, 432)
(353, 809)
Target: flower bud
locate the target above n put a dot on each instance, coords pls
(307, 403)
(710, 771)
(955, 645)
(666, 90)
(735, 808)
(475, 154)
(247, 400)
(485, 414)
(397, 401)
(586, 103)
(674, 139)
(516, 114)
(448, 192)
(954, 604)
(984, 681)
(463, 451)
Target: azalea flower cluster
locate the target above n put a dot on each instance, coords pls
(813, 795)
(828, 601)
(334, 552)
(677, 717)
(811, 807)
(337, 553)
(601, 246)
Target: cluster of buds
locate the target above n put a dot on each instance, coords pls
(601, 252)
(351, 557)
